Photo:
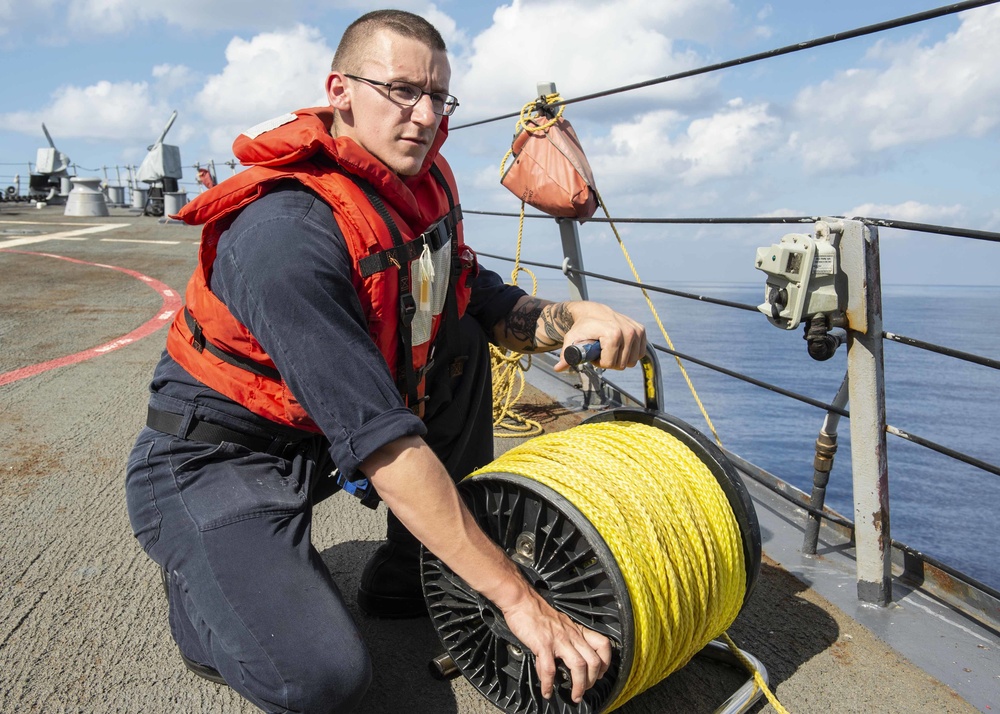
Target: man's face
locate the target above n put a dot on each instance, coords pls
(399, 136)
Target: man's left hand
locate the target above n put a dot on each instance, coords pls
(623, 340)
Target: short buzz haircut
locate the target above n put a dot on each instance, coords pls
(351, 52)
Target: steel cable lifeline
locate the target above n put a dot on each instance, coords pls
(667, 523)
(801, 46)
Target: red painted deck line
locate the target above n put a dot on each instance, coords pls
(171, 304)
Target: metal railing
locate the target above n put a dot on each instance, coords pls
(863, 388)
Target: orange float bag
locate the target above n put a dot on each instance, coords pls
(550, 170)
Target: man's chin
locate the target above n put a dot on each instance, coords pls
(409, 166)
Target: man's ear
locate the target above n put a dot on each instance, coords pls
(337, 92)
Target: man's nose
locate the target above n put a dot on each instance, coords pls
(423, 111)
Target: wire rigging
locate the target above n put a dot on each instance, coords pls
(748, 59)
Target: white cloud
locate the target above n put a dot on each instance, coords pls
(601, 46)
(912, 211)
(105, 110)
(921, 93)
(18, 19)
(656, 147)
(728, 142)
(174, 78)
(267, 75)
(115, 16)
(454, 37)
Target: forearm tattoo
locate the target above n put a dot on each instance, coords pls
(522, 322)
(537, 327)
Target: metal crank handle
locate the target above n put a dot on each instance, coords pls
(581, 352)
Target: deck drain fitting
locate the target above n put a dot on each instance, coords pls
(554, 504)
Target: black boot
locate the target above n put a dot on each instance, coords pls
(202, 670)
(390, 584)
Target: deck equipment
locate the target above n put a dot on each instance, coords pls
(50, 181)
(633, 524)
(161, 169)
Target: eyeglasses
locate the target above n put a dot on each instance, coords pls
(407, 95)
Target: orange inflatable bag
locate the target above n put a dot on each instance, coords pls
(549, 170)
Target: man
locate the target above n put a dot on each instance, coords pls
(337, 318)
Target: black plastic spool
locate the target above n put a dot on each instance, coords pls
(570, 565)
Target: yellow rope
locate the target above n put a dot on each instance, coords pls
(659, 322)
(667, 523)
(758, 680)
(508, 371)
(531, 120)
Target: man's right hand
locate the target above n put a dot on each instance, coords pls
(551, 636)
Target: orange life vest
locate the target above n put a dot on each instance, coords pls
(398, 231)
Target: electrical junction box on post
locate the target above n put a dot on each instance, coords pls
(801, 273)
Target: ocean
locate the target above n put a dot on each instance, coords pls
(939, 506)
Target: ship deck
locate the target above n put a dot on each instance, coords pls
(82, 615)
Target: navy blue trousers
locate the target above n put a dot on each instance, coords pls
(249, 594)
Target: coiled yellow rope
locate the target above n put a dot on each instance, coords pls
(508, 374)
(667, 523)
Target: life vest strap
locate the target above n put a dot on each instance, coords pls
(200, 343)
(400, 255)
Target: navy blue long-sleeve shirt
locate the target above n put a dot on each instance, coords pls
(283, 270)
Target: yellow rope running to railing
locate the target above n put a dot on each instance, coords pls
(507, 368)
(668, 525)
(656, 316)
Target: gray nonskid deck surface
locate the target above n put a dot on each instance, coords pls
(82, 615)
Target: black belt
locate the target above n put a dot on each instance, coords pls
(210, 433)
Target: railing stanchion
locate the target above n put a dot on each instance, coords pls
(570, 235)
(860, 262)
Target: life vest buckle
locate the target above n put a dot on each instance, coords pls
(422, 372)
(407, 308)
(198, 336)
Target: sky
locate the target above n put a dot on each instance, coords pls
(901, 125)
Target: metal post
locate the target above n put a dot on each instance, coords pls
(573, 258)
(568, 231)
(860, 262)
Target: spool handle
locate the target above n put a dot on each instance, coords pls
(583, 352)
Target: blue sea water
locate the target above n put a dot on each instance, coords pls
(940, 506)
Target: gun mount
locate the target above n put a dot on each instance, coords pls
(51, 167)
(161, 169)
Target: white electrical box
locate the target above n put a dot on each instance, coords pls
(801, 272)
